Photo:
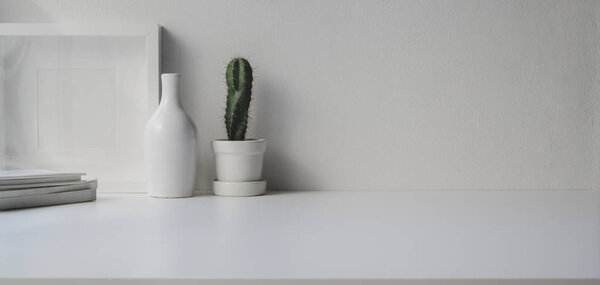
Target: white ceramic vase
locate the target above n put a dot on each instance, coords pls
(171, 145)
(239, 167)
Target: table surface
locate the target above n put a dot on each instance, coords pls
(313, 234)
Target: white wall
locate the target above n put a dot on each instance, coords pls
(385, 94)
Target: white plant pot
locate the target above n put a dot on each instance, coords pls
(239, 167)
(171, 145)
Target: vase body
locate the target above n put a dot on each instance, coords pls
(171, 145)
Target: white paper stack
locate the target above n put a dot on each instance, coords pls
(34, 188)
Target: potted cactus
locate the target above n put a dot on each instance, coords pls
(238, 160)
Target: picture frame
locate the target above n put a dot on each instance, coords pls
(76, 97)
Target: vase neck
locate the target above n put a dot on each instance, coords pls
(171, 86)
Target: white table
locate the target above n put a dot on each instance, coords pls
(313, 234)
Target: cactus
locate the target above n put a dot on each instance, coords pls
(239, 91)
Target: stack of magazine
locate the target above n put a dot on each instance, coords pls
(34, 188)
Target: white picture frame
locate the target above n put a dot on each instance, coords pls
(76, 97)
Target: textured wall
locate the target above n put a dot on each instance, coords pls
(385, 94)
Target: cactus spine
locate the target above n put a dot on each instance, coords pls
(239, 91)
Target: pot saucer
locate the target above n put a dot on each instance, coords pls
(239, 189)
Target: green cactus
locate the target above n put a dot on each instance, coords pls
(239, 92)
